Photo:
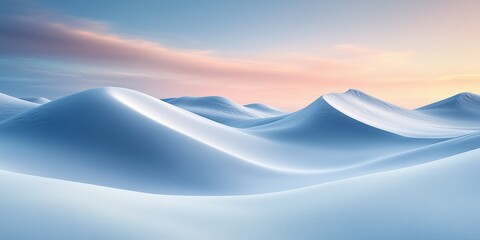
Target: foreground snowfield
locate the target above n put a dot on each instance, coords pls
(113, 163)
(11, 106)
(437, 200)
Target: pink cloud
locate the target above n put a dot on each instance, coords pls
(28, 36)
(201, 72)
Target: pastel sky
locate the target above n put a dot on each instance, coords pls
(283, 53)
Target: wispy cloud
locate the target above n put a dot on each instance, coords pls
(199, 72)
(40, 36)
(34, 37)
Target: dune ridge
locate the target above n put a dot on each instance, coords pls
(113, 163)
(125, 139)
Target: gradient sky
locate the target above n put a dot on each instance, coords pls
(283, 53)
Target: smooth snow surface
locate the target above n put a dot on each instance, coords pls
(11, 106)
(438, 200)
(113, 163)
(382, 115)
(225, 111)
(39, 100)
(463, 109)
(271, 111)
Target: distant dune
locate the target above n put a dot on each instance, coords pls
(11, 106)
(225, 111)
(269, 110)
(39, 100)
(462, 109)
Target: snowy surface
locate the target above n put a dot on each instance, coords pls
(225, 111)
(113, 163)
(410, 123)
(11, 106)
(437, 200)
(269, 110)
(39, 100)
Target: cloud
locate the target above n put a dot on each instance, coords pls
(34, 37)
(85, 40)
(44, 36)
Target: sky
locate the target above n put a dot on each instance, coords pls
(282, 53)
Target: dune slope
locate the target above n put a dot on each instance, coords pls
(269, 110)
(39, 100)
(225, 111)
(121, 138)
(438, 200)
(386, 116)
(462, 109)
(11, 106)
(113, 163)
(125, 139)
